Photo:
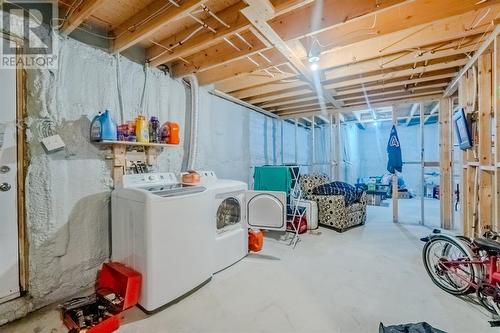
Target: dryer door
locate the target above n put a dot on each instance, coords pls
(266, 210)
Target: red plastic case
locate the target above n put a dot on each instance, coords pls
(115, 278)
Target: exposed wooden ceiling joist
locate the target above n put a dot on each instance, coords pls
(320, 15)
(269, 89)
(408, 14)
(258, 13)
(451, 28)
(398, 82)
(413, 72)
(226, 51)
(77, 15)
(414, 108)
(404, 100)
(129, 38)
(236, 22)
(227, 77)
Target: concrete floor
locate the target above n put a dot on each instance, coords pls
(409, 211)
(330, 282)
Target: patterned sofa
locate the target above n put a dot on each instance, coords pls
(332, 209)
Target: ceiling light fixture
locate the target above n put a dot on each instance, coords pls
(314, 55)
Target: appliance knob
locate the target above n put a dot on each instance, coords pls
(4, 187)
(4, 169)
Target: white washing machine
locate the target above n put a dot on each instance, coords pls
(160, 229)
(235, 209)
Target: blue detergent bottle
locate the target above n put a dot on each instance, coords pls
(96, 128)
(108, 127)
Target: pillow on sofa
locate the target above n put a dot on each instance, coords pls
(350, 193)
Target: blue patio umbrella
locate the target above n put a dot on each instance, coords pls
(395, 161)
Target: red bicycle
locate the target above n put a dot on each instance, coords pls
(462, 266)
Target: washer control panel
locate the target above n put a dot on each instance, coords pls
(207, 177)
(149, 179)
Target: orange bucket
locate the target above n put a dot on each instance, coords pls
(255, 240)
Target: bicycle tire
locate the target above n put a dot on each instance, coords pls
(428, 267)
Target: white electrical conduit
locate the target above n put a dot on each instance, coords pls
(188, 37)
(204, 25)
(174, 3)
(193, 130)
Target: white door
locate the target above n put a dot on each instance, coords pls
(266, 210)
(9, 255)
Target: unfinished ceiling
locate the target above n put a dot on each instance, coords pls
(372, 53)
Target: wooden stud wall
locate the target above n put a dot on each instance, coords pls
(478, 94)
(496, 113)
(445, 151)
(484, 145)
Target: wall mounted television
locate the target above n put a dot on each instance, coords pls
(462, 130)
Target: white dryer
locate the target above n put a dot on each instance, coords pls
(160, 229)
(235, 209)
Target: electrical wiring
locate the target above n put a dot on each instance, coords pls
(206, 9)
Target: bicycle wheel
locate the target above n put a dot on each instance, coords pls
(454, 279)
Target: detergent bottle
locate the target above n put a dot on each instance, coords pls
(142, 129)
(174, 135)
(95, 128)
(108, 127)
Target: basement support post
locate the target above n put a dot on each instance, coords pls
(395, 192)
(313, 146)
(338, 155)
(445, 172)
(332, 150)
(496, 113)
(282, 143)
(422, 164)
(296, 143)
(485, 135)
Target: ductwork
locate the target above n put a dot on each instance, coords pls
(191, 133)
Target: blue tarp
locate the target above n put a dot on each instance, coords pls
(395, 160)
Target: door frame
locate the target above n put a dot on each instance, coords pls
(22, 167)
(22, 163)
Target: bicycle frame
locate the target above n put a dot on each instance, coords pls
(489, 264)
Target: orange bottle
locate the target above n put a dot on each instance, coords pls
(174, 135)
